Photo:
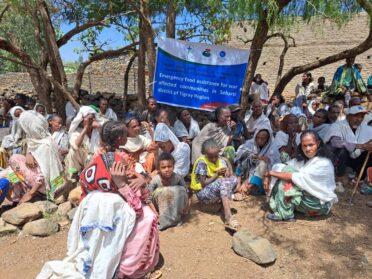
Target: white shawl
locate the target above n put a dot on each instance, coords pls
(343, 130)
(109, 115)
(181, 152)
(83, 112)
(12, 140)
(98, 233)
(281, 139)
(41, 144)
(181, 131)
(316, 177)
(322, 130)
(261, 121)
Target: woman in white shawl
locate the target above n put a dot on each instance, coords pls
(306, 184)
(12, 141)
(84, 139)
(185, 127)
(253, 159)
(168, 142)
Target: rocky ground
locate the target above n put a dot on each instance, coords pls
(337, 246)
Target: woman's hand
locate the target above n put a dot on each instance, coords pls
(137, 183)
(117, 172)
(30, 161)
(264, 158)
(221, 171)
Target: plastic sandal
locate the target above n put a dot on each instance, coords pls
(273, 217)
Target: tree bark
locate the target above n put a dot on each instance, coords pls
(141, 70)
(362, 47)
(171, 20)
(126, 80)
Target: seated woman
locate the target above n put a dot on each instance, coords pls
(321, 123)
(139, 148)
(40, 108)
(185, 127)
(169, 192)
(287, 139)
(12, 142)
(84, 139)
(253, 159)
(301, 110)
(141, 250)
(306, 184)
(168, 142)
(40, 172)
(220, 130)
(213, 182)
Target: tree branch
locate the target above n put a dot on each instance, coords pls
(18, 62)
(3, 12)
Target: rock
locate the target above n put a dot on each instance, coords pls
(42, 227)
(6, 228)
(63, 209)
(63, 222)
(46, 206)
(253, 247)
(60, 200)
(71, 213)
(74, 196)
(22, 214)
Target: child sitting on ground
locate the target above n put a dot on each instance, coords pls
(169, 193)
(59, 134)
(212, 181)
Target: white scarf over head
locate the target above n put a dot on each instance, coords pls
(181, 131)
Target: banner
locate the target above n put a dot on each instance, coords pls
(199, 76)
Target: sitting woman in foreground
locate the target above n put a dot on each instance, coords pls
(306, 184)
(212, 181)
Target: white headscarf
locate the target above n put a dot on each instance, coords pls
(181, 152)
(13, 110)
(41, 144)
(83, 112)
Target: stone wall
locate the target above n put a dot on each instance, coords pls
(314, 41)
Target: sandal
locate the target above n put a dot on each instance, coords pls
(238, 197)
(154, 275)
(273, 217)
(232, 224)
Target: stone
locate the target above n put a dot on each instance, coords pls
(42, 227)
(22, 214)
(6, 228)
(74, 196)
(253, 247)
(63, 221)
(63, 209)
(46, 206)
(60, 199)
(71, 213)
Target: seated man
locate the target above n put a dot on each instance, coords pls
(256, 119)
(149, 114)
(347, 78)
(106, 112)
(333, 113)
(349, 141)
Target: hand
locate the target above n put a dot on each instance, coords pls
(88, 121)
(96, 125)
(264, 158)
(117, 172)
(231, 124)
(146, 126)
(30, 161)
(266, 182)
(221, 171)
(243, 189)
(367, 146)
(137, 183)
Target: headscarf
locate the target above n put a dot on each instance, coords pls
(13, 110)
(83, 112)
(43, 148)
(181, 152)
(297, 108)
(39, 105)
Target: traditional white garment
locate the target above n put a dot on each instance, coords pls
(301, 90)
(281, 139)
(134, 144)
(94, 139)
(41, 145)
(109, 115)
(316, 177)
(181, 152)
(181, 131)
(98, 233)
(342, 129)
(281, 110)
(61, 139)
(260, 90)
(252, 124)
(322, 130)
(12, 140)
(70, 112)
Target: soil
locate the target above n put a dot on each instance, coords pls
(336, 246)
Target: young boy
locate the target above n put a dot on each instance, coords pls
(169, 193)
(59, 134)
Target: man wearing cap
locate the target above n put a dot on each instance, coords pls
(349, 140)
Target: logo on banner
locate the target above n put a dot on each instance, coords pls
(222, 54)
(207, 52)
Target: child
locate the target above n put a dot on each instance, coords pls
(212, 181)
(169, 192)
(59, 134)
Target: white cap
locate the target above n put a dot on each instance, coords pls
(356, 110)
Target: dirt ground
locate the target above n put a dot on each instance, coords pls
(338, 246)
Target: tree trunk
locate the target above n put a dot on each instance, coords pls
(362, 47)
(141, 70)
(171, 20)
(43, 88)
(258, 42)
(126, 80)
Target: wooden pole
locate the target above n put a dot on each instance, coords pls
(359, 177)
